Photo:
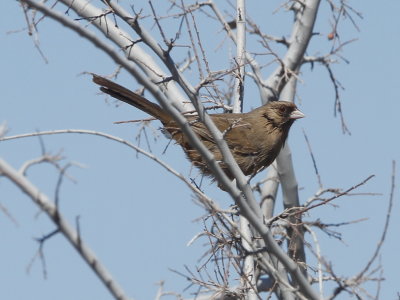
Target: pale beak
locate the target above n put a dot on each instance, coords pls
(296, 114)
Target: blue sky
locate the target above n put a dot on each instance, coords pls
(136, 216)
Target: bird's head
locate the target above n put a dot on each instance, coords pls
(282, 113)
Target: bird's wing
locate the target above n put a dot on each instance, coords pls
(240, 140)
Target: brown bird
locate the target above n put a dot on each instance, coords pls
(254, 138)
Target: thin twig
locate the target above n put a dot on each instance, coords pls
(385, 227)
(313, 160)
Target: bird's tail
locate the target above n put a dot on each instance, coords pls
(127, 96)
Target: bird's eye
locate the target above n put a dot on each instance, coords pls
(282, 109)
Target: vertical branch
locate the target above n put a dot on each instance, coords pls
(290, 189)
(240, 56)
(269, 191)
(248, 271)
(249, 276)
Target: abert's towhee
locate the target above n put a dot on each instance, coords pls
(254, 138)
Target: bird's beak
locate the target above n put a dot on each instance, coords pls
(296, 114)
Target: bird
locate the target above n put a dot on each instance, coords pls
(255, 138)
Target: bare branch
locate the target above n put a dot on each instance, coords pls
(386, 226)
(50, 209)
(306, 14)
(303, 210)
(240, 56)
(313, 160)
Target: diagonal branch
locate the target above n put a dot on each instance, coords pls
(122, 39)
(71, 234)
(306, 14)
(146, 37)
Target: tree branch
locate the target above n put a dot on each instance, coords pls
(72, 235)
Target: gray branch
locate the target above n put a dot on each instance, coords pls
(71, 234)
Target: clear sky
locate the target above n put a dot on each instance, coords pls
(137, 217)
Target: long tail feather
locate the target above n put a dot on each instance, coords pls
(121, 93)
